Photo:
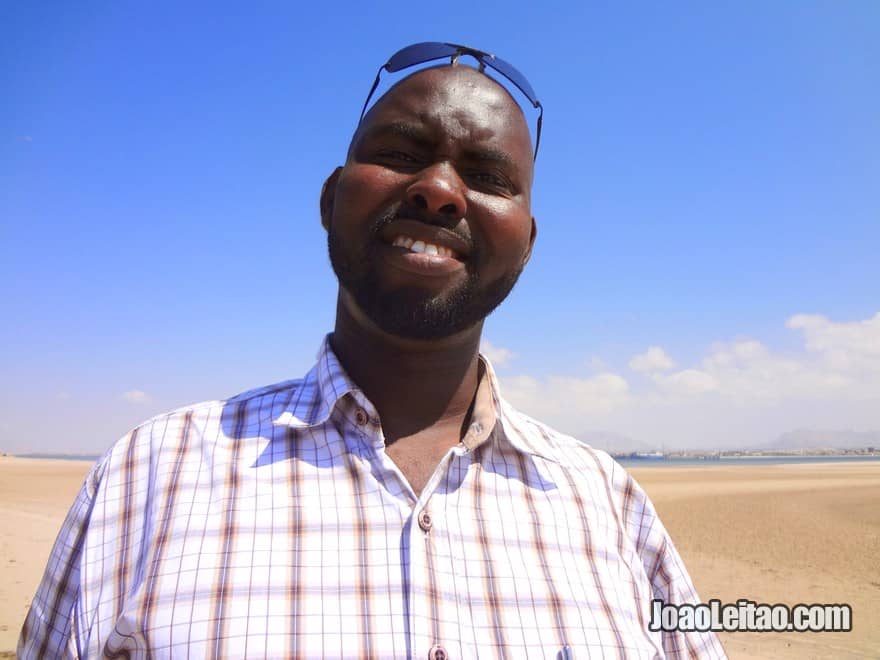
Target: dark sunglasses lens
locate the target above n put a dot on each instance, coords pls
(514, 76)
(418, 53)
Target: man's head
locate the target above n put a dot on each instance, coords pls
(442, 161)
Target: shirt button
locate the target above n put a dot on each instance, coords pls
(361, 416)
(425, 523)
(437, 652)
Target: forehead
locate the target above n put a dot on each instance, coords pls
(457, 106)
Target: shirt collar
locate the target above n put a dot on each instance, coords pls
(327, 382)
(320, 390)
(497, 417)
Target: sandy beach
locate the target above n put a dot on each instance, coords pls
(772, 533)
(807, 533)
(35, 495)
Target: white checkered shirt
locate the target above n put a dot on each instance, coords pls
(273, 524)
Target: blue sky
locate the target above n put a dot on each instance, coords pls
(706, 194)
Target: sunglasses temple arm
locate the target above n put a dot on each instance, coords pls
(538, 132)
(370, 95)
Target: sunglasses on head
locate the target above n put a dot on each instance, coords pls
(436, 50)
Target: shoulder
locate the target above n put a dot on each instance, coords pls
(540, 439)
(592, 474)
(203, 427)
(262, 403)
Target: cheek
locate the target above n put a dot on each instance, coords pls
(363, 189)
(506, 232)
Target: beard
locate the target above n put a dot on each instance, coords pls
(411, 312)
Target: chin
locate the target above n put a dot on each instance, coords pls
(411, 312)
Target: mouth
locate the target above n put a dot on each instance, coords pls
(422, 238)
(424, 249)
(421, 247)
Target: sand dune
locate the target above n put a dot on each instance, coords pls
(777, 533)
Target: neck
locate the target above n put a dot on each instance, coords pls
(414, 384)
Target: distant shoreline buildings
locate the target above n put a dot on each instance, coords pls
(807, 452)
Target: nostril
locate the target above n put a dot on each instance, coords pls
(448, 209)
(420, 201)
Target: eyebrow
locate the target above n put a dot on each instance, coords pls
(490, 155)
(400, 129)
(422, 138)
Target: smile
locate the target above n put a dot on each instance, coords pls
(421, 247)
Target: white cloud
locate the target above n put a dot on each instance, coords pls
(843, 347)
(739, 393)
(136, 396)
(687, 381)
(735, 354)
(559, 396)
(654, 359)
(497, 355)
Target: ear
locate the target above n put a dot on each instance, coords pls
(532, 238)
(328, 197)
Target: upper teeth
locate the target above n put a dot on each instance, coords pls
(422, 247)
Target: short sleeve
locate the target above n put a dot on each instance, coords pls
(48, 627)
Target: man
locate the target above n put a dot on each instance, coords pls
(390, 503)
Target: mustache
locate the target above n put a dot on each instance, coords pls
(412, 212)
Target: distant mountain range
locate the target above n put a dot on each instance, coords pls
(814, 439)
(617, 443)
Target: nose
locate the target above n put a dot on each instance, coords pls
(439, 190)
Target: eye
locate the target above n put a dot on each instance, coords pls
(491, 181)
(396, 156)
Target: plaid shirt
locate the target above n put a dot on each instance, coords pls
(273, 524)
